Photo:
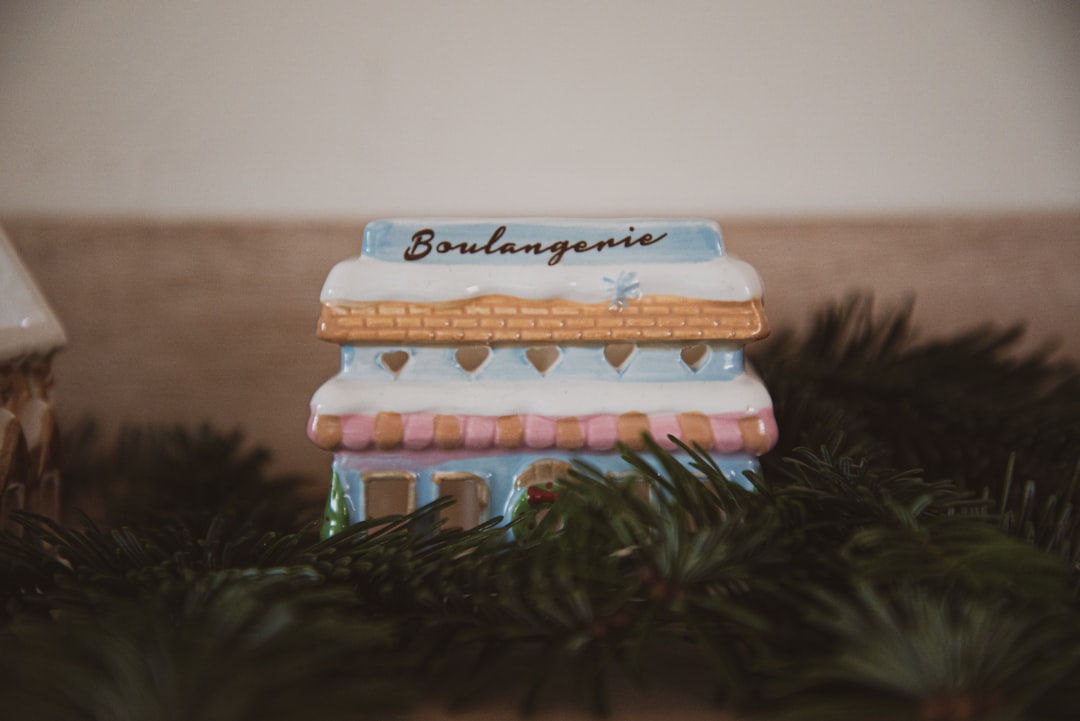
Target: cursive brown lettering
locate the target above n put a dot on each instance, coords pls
(423, 242)
(499, 233)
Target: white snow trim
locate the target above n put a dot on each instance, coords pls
(343, 395)
(368, 279)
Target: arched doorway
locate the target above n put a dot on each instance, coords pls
(536, 491)
(542, 472)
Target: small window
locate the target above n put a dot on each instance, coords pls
(470, 494)
(389, 493)
(395, 361)
(543, 358)
(695, 356)
(471, 358)
(618, 355)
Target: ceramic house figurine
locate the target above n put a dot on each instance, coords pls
(479, 357)
(29, 439)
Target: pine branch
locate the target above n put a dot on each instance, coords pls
(865, 570)
(939, 655)
(955, 407)
(149, 475)
(228, 645)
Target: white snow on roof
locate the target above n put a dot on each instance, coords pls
(27, 324)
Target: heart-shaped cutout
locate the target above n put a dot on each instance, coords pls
(471, 358)
(695, 356)
(618, 354)
(543, 357)
(394, 361)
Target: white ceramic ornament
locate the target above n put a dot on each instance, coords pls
(479, 357)
(29, 336)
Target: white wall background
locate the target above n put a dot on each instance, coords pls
(359, 109)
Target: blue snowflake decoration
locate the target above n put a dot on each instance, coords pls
(623, 288)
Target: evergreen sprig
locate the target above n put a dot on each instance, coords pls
(925, 652)
(955, 407)
(887, 561)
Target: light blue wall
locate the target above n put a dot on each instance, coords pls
(498, 471)
(647, 364)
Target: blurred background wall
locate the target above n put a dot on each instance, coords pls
(181, 176)
(369, 107)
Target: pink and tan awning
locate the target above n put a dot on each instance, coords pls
(722, 433)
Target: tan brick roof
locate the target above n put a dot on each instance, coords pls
(506, 319)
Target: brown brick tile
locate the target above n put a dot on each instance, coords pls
(535, 334)
(550, 323)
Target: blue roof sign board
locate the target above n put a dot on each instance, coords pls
(539, 243)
